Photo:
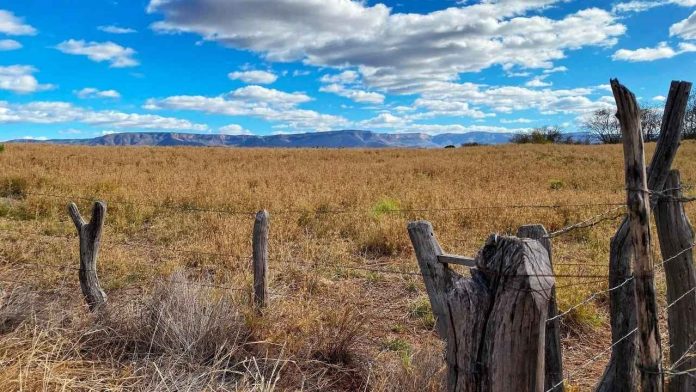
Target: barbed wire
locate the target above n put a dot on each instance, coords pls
(592, 360)
(186, 208)
(590, 222)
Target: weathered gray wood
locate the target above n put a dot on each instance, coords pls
(638, 203)
(676, 238)
(670, 136)
(90, 238)
(260, 258)
(437, 276)
(459, 260)
(553, 379)
(494, 323)
(620, 373)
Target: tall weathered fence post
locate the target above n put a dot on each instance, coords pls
(554, 354)
(676, 240)
(260, 258)
(638, 202)
(494, 323)
(620, 373)
(90, 237)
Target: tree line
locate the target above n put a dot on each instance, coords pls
(602, 126)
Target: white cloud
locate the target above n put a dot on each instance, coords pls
(51, 112)
(661, 51)
(254, 101)
(116, 55)
(644, 5)
(685, 29)
(234, 129)
(116, 30)
(12, 25)
(659, 98)
(517, 121)
(394, 52)
(20, 79)
(255, 77)
(345, 77)
(538, 81)
(556, 69)
(353, 94)
(90, 92)
(385, 121)
(9, 44)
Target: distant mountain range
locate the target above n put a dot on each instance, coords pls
(332, 139)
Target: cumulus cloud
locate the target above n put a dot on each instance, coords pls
(234, 129)
(538, 81)
(348, 84)
(254, 76)
(659, 98)
(20, 79)
(254, 101)
(685, 29)
(116, 30)
(116, 55)
(51, 112)
(9, 44)
(353, 94)
(661, 51)
(90, 92)
(13, 25)
(394, 52)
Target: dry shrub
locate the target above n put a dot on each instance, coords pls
(16, 306)
(183, 317)
(336, 338)
(424, 372)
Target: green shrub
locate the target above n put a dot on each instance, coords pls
(556, 185)
(385, 206)
(2, 148)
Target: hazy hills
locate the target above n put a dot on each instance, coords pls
(333, 139)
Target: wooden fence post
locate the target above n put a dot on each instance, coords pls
(638, 203)
(90, 237)
(494, 323)
(554, 354)
(676, 239)
(260, 259)
(620, 373)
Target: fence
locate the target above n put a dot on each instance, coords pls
(509, 278)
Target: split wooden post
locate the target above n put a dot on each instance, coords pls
(553, 380)
(90, 238)
(494, 323)
(260, 259)
(676, 241)
(638, 203)
(620, 373)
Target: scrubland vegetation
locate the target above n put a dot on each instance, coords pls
(179, 315)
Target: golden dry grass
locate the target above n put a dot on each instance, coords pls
(331, 324)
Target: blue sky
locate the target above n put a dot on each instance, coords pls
(78, 68)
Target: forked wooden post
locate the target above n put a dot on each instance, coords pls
(676, 240)
(638, 203)
(620, 373)
(494, 323)
(554, 354)
(260, 259)
(90, 238)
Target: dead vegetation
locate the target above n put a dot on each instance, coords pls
(332, 323)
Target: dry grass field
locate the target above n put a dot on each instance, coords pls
(177, 241)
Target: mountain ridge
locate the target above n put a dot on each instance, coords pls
(330, 139)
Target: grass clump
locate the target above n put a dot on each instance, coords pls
(421, 310)
(14, 187)
(385, 206)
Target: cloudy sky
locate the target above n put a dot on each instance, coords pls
(83, 68)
